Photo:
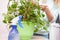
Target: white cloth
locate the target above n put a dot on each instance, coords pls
(54, 9)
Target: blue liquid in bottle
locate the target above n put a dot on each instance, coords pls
(13, 34)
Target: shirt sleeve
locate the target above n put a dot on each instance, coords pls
(53, 10)
(55, 14)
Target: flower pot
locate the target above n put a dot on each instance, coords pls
(27, 31)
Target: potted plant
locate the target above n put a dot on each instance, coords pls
(32, 16)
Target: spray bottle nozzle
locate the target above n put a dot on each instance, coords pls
(19, 21)
(20, 17)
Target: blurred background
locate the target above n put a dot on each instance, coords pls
(3, 29)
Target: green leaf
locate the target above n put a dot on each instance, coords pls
(14, 5)
(9, 9)
(21, 9)
(4, 21)
(36, 30)
(43, 15)
(21, 1)
(45, 28)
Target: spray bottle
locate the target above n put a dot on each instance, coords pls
(14, 34)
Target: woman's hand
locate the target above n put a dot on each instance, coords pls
(45, 9)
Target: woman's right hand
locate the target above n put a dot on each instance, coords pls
(44, 8)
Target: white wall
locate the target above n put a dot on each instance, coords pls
(3, 29)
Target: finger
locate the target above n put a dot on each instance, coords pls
(43, 5)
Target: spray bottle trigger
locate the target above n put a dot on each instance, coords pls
(19, 22)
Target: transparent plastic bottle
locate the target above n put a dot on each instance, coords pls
(13, 34)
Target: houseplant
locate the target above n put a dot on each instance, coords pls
(32, 16)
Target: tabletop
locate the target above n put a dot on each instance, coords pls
(39, 38)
